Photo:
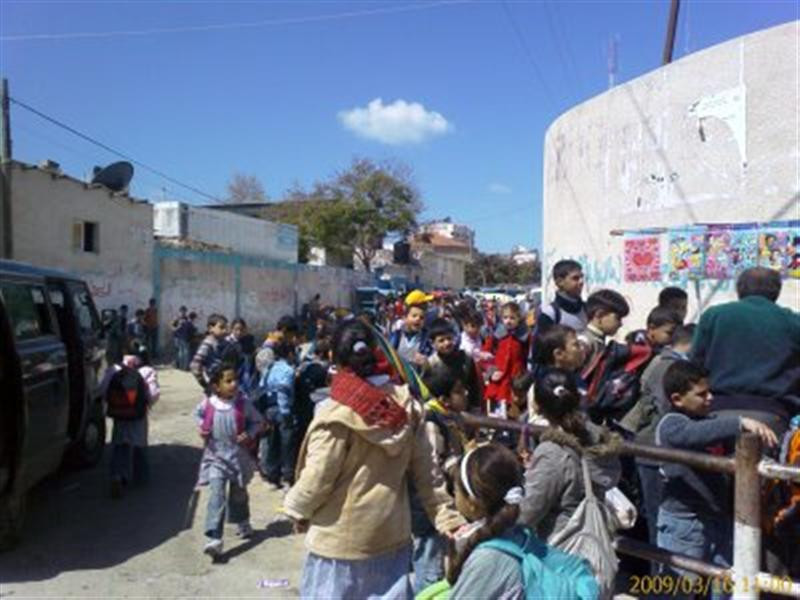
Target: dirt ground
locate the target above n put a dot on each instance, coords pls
(78, 542)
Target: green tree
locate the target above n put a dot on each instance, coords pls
(245, 189)
(353, 211)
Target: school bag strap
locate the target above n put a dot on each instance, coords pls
(209, 411)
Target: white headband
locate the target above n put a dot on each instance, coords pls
(514, 495)
(465, 476)
(360, 346)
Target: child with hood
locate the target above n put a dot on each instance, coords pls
(351, 491)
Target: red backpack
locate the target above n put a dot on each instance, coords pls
(127, 396)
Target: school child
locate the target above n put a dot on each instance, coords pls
(411, 341)
(183, 330)
(644, 416)
(455, 360)
(661, 323)
(228, 425)
(567, 308)
(694, 518)
(554, 477)
(278, 461)
(495, 555)
(211, 350)
(285, 330)
(131, 389)
(312, 376)
(471, 341)
(676, 300)
(605, 310)
(244, 344)
(447, 444)
(136, 329)
(509, 345)
(351, 492)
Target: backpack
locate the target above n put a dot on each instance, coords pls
(614, 384)
(207, 426)
(589, 534)
(127, 395)
(546, 572)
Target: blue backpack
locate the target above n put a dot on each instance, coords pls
(548, 572)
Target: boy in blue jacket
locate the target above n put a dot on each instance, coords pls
(281, 450)
(695, 514)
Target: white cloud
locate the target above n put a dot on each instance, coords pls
(499, 188)
(397, 123)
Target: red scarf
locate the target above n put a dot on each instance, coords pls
(370, 403)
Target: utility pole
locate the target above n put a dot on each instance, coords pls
(669, 43)
(6, 248)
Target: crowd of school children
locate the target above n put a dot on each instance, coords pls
(360, 419)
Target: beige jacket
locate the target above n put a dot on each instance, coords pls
(352, 483)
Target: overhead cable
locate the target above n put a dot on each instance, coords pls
(108, 148)
(225, 26)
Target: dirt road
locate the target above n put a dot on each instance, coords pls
(80, 543)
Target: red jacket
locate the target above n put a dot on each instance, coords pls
(509, 357)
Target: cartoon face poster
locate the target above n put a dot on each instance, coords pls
(686, 254)
(643, 259)
(729, 251)
(777, 249)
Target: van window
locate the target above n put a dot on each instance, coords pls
(85, 311)
(27, 310)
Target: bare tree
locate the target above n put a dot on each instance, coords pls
(245, 189)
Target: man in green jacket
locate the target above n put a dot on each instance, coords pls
(751, 348)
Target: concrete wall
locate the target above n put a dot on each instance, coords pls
(231, 231)
(47, 206)
(711, 138)
(258, 290)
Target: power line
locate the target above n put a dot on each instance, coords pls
(108, 148)
(570, 55)
(529, 56)
(569, 78)
(224, 26)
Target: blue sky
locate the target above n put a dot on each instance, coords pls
(463, 92)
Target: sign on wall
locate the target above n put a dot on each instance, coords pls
(719, 251)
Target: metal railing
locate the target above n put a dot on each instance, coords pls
(747, 466)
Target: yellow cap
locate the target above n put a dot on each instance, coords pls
(417, 297)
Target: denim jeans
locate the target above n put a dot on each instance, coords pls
(428, 560)
(129, 463)
(702, 537)
(182, 356)
(278, 449)
(236, 505)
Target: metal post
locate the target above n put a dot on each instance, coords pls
(747, 517)
(6, 248)
(672, 24)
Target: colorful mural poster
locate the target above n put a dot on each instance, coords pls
(794, 268)
(686, 254)
(730, 250)
(643, 258)
(777, 249)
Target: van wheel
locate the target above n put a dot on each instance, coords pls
(88, 451)
(12, 518)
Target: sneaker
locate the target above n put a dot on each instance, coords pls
(245, 530)
(213, 547)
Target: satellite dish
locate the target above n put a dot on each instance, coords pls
(115, 176)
